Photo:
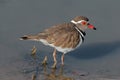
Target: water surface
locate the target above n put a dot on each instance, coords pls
(98, 56)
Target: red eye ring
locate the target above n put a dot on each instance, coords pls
(83, 22)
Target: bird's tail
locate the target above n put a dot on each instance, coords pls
(29, 37)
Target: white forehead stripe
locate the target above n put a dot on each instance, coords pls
(77, 21)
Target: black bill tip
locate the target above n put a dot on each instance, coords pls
(94, 28)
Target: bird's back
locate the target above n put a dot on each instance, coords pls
(63, 35)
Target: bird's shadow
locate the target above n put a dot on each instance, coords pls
(95, 50)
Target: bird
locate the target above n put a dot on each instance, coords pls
(64, 37)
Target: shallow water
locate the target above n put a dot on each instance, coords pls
(98, 55)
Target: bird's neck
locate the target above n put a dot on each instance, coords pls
(81, 31)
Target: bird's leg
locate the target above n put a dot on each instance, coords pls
(54, 57)
(62, 59)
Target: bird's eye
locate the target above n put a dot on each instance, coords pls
(83, 22)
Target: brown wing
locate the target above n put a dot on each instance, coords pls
(61, 35)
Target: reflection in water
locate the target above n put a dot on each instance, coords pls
(56, 75)
(44, 72)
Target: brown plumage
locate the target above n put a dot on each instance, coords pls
(78, 18)
(64, 35)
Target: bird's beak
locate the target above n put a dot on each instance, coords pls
(91, 26)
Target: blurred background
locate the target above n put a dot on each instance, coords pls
(99, 54)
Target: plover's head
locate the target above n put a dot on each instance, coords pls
(82, 23)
